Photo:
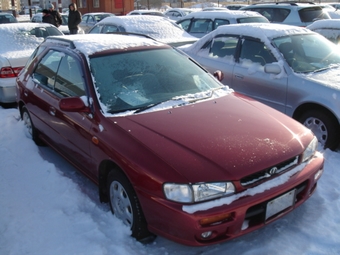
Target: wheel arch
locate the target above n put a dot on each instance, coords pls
(313, 106)
(105, 168)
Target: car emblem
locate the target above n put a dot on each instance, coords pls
(273, 170)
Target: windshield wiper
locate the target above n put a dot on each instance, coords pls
(144, 108)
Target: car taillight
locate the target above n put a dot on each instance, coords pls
(10, 72)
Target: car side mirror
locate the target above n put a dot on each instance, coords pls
(73, 104)
(272, 68)
(219, 75)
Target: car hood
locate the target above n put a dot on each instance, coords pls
(221, 139)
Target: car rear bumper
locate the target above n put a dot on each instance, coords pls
(244, 215)
(7, 90)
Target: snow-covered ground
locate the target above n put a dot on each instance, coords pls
(47, 207)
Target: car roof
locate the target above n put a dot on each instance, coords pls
(222, 14)
(90, 44)
(97, 13)
(263, 31)
(325, 23)
(269, 30)
(296, 5)
(157, 27)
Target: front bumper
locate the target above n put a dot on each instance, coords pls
(244, 215)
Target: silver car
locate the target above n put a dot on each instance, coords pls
(289, 68)
(200, 23)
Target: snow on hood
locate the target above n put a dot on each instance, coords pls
(329, 78)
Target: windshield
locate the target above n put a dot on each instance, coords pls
(137, 79)
(308, 52)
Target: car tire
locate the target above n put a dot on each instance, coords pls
(31, 130)
(125, 206)
(324, 126)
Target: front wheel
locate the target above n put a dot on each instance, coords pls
(125, 206)
(324, 126)
(32, 131)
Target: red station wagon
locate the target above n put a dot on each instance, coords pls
(173, 151)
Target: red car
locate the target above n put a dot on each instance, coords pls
(173, 151)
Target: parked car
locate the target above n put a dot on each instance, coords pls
(91, 19)
(166, 145)
(18, 41)
(290, 13)
(235, 6)
(63, 27)
(291, 69)
(214, 9)
(158, 28)
(328, 28)
(177, 13)
(7, 18)
(200, 23)
(147, 12)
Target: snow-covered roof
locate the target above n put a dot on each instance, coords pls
(157, 27)
(325, 23)
(92, 43)
(16, 40)
(227, 14)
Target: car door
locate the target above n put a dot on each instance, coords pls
(59, 75)
(218, 54)
(249, 77)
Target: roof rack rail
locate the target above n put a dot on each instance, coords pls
(292, 3)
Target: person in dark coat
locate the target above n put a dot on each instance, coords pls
(47, 17)
(57, 21)
(74, 18)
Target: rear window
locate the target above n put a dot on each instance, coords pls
(312, 13)
(252, 20)
(275, 15)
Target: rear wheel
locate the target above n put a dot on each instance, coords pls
(125, 206)
(324, 126)
(31, 130)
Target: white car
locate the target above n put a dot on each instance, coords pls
(18, 41)
(178, 13)
(63, 27)
(328, 28)
(201, 23)
(146, 12)
(161, 29)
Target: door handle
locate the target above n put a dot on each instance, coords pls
(240, 76)
(26, 92)
(52, 111)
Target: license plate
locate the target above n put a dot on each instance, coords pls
(279, 204)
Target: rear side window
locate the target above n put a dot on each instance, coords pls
(311, 14)
(275, 15)
(201, 26)
(252, 20)
(221, 22)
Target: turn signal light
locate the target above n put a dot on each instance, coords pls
(216, 219)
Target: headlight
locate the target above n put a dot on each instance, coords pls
(310, 150)
(189, 193)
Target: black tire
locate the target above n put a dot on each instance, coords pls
(32, 131)
(125, 206)
(324, 126)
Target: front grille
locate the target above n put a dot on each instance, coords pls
(269, 172)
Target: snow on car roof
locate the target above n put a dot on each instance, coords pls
(92, 43)
(222, 14)
(16, 40)
(263, 31)
(156, 27)
(326, 23)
